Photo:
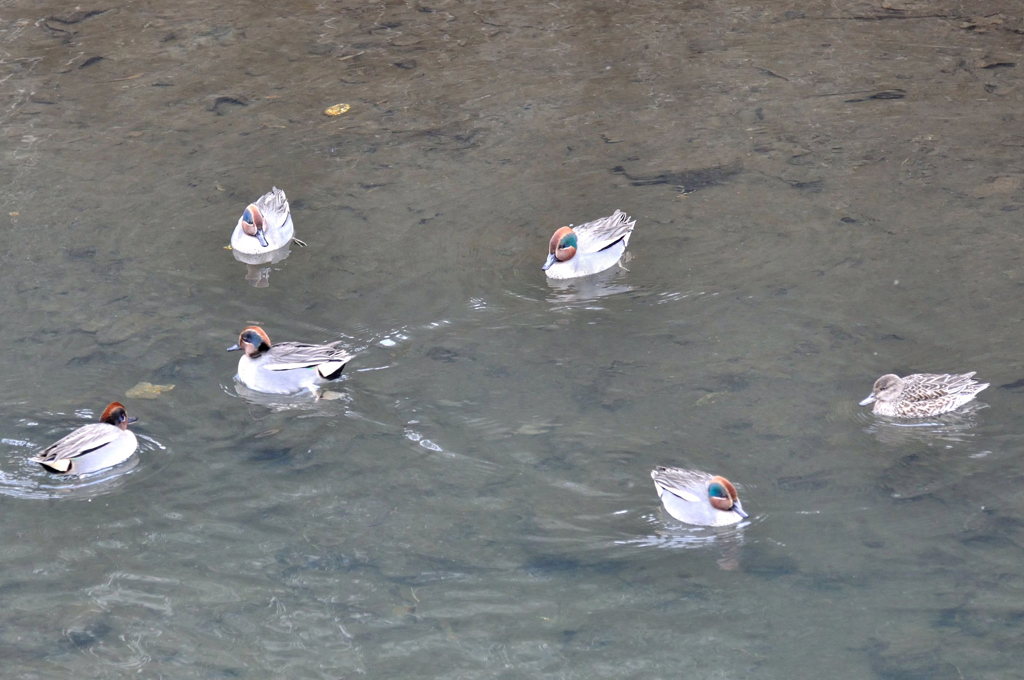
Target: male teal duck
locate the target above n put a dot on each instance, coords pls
(264, 226)
(697, 497)
(92, 447)
(588, 248)
(287, 367)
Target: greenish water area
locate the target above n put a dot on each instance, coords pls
(824, 193)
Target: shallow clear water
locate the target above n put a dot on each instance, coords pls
(823, 194)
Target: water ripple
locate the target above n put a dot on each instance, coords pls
(955, 427)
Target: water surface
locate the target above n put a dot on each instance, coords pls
(823, 194)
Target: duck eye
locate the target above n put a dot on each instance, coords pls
(247, 216)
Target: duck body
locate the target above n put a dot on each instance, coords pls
(922, 395)
(698, 498)
(286, 367)
(589, 248)
(92, 447)
(265, 226)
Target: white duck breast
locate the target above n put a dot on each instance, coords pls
(271, 223)
(600, 244)
(89, 448)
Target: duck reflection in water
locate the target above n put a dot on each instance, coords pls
(724, 543)
(952, 427)
(589, 288)
(259, 266)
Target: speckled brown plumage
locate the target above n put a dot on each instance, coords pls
(921, 395)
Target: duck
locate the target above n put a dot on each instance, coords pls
(588, 248)
(922, 395)
(287, 367)
(698, 498)
(265, 225)
(92, 447)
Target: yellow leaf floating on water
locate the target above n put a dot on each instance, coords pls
(146, 390)
(337, 109)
